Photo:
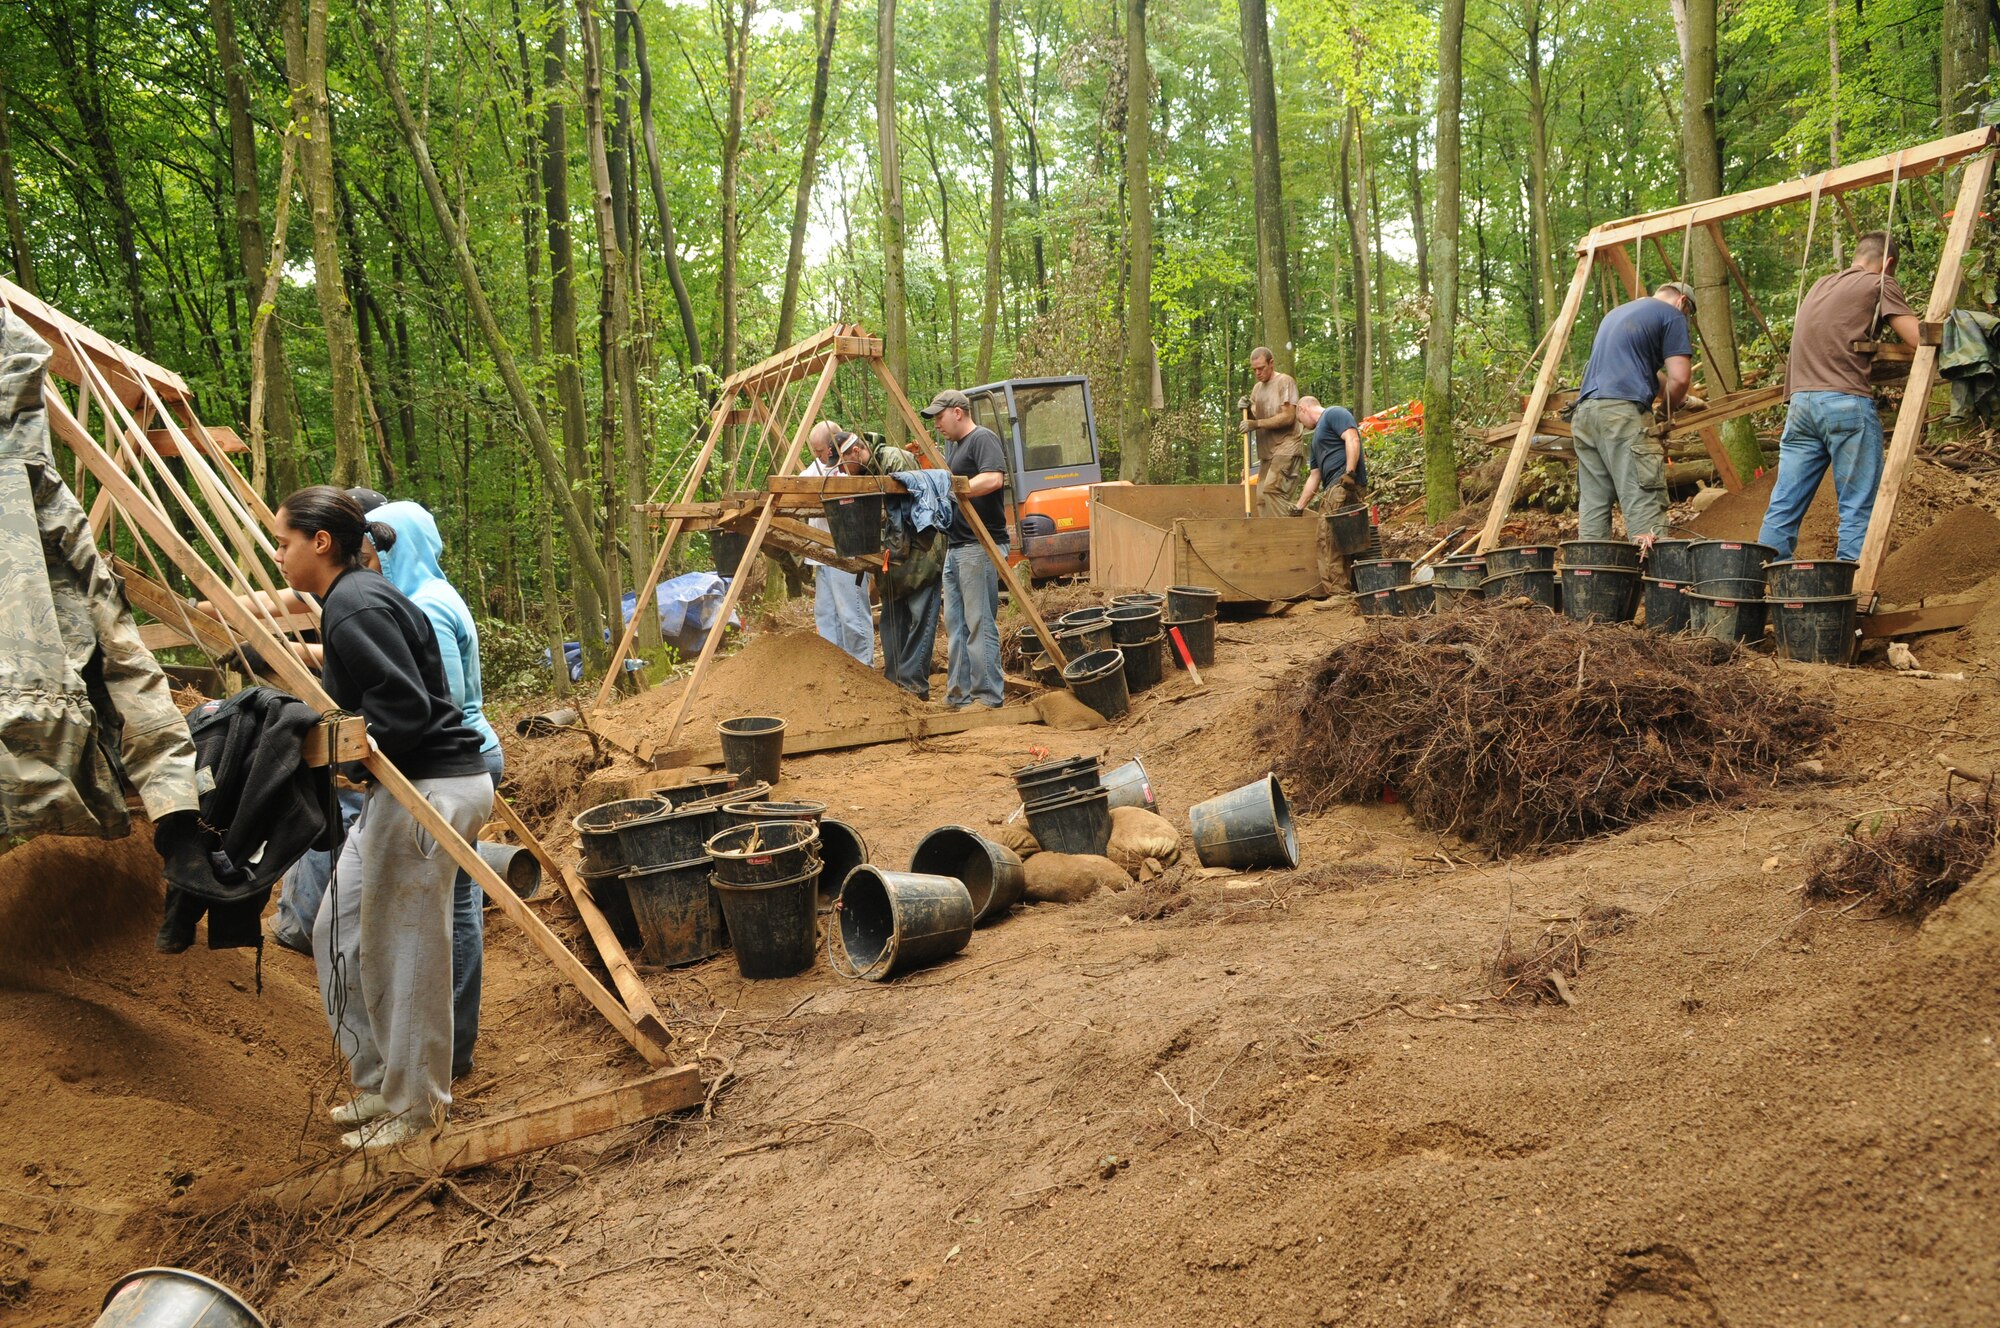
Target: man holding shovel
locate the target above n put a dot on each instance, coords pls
(1274, 418)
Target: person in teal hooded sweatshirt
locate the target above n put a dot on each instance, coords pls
(412, 566)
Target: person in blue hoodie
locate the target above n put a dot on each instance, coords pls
(412, 565)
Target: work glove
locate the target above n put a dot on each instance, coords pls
(248, 659)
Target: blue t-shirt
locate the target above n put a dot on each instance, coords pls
(1329, 449)
(1633, 344)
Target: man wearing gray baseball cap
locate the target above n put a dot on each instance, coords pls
(1615, 460)
(971, 582)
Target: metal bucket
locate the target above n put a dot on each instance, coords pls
(1130, 786)
(174, 1298)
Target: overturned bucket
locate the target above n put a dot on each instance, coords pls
(891, 922)
(841, 850)
(174, 1298)
(519, 868)
(991, 872)
(1245, 828)
(678, 913)
(753, 746)
(1130, 786)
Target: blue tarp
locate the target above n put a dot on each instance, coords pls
(689, 606)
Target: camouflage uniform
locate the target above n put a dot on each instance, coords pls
(82, 701)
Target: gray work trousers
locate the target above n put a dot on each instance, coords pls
(382, 944)
(1616, 460)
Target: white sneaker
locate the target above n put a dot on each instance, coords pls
(361, 1110)
(389, 1132)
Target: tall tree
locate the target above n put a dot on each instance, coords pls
(1274, 293)
(10, 201)
(889, 161)
(736, 59)
(996, 217)
(1354, 202)
(305, 64)
(1440, 448)
(670, 257)
(1963, 61)
(1135, 429)
(795, 263)
(1543, 227)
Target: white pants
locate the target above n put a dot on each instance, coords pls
(840, 609)
(382, 944)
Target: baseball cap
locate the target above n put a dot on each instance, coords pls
(369, 499)
(944, 401)
(1682, 289)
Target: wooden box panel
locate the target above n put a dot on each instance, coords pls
(1149, 537)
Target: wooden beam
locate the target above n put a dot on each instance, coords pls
(1924, 159)
(486, 1142)
(1923, 373)
(1742, 283)
(858, 735)
(1913, 622)
(1510, 478)
(127, 373)
(845, 486)
(819, 341)
(1725, 468)
(336, 741)
(226, 440)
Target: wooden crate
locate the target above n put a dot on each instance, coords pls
(1151, 536)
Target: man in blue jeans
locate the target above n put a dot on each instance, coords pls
(971, 581)
(1830, 419)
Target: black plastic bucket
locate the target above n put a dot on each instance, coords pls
(991, 872)
(1519, 557)
(1726, 619)
(1133, 623)
(698, 790)
(1199, 636)
(1086, 638)
(1824, 578)
(1600, 594)
(607, 891)
(679, 917)
(1731, 587)
(773, 927)
(1668, 560)
(1666, 605)
(1464, 575)
(174, 1298)
(1373, 574)
(1143, 665)
(1083, 617)
(1536, 583)
(728, 548)
(597, 831)
(765, 851)
(1716, 560)
(1815, 630)
(1044, 671)
(855, 522)
(1378, 603)
(892, 922)
(1414, 599)
(1158, 601)
(1073, 823)
(1349, 527)
(1192, 602)
(548, 723)
(1130, 786)
(520, 869)
(1600, 553)
(741, 789)
(1098, 680)
(673, 835)
(1446, 598)
(1059, 784)
(1040, 770)
(1245, 828)
(841, 850)
(742, 813)
(753, 746)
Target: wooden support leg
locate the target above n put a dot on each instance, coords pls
(1510, 478)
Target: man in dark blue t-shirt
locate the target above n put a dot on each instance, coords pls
(1614, 457)
(971, 581)
(1335, 457)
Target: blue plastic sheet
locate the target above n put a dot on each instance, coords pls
(689, 607)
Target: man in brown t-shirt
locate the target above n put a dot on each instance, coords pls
(1830, 419)
(1274, 414)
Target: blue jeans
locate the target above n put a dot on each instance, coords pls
(909, 627)
(971, 614)
(840, 611)
(1825, 429)
(468, 946)
(301, 888)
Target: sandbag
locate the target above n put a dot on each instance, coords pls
(1069, 878)
(1061, 710)
(1017, 837)
(1137, 834)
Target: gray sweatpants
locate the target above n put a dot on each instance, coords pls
(382, 944)
(1616, 459)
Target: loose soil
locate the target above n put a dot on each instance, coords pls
(1279, 1097)
(1929, 493)
(1954, 555)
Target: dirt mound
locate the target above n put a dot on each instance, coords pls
(1954, 555)
(1520, 729)
(1929, 491)
(1906, 862)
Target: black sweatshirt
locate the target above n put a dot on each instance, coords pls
(382, 663)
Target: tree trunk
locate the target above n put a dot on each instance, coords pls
(795, 259)
(895, 318)
(1962, 64)
(582, 554)
(1135, 430)
(1701, 153)
(996, 218)
(948, 273)
(1417, 229)
(1354, 201)
(1538, 177)
(1440, 448)
(670, 256)
(10, 201)
(736, 54)
(1833, 115)
(305, 62)
(1274, 294)
(1384, 346)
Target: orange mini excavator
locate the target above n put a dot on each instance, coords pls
(1050, 434)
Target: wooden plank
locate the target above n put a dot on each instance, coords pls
(1913, 622)
(1725, 466)
(120, 367)
(843, 486)
(158, 636)
(336, 741)
(1510, 478)
(1923, 374)
(226, 440)
(1924, 159)
(863, 735)
(818, 342)
(1249, 559)
(1128, 552)
(486, 1142)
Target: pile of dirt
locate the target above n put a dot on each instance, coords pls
(1906, 862)
(1954, 555)
(1519, 729)
(1929, 492)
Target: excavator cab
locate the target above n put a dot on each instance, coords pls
(1050, 432)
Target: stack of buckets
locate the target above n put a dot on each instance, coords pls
(1116, 652)
(1068, 802)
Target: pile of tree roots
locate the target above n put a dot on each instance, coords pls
(1520, 730)
(1906, 862)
